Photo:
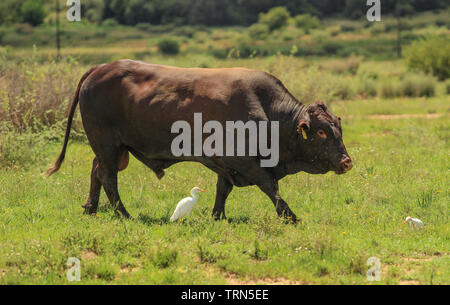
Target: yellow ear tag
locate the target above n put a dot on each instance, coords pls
(304, 134)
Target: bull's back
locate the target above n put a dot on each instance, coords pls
(141, 101)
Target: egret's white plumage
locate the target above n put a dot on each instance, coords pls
(184, 207)
(414, 223)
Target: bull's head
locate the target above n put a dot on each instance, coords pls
(322, 133)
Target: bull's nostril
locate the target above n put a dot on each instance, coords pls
(347, 164)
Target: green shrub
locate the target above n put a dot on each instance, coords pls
(143, 26)
(94, 15)
(431, 55)
(388, 89)
(220, 53)
(258, 31)
(276, 18)
(23, 28)
(348, 28)
(343, 90)
(427, 87)
(307, 22)
(447, 86)
(32, 12)
(349, 65)
(169, 46)
(331, 47)
(334, 31)
(417, 85)
(366, 87)
(377, 29)
(186, 31)
(110, 22)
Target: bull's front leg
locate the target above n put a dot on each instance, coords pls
(224, 188)
(270, 188)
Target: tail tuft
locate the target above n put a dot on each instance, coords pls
(54, 168)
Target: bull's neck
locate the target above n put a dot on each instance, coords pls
(287, 110)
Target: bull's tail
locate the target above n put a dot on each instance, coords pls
(55, 167)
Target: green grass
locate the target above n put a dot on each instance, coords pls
(400, 169)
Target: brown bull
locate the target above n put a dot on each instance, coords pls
(130, 106)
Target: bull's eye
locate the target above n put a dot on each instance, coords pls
(322, 134)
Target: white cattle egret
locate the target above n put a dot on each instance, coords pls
(184, 207)
(414, 222)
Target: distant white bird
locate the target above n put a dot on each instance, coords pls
(184, 207)
(414, 222)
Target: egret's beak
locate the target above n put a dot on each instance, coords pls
(202, 190)
(404, 222)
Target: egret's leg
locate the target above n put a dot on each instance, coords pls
(224, 188)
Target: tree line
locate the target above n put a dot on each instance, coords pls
(200, 12)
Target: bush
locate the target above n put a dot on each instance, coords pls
(220, 53)
(258, 31)
(185, 31)
(331, 47)
(32, 12)
(349, 65)
(348, 28)
(366, 87)
(343, 90)
(306, 22)
(447, 86)
(431, 55)
(110, 22)
(388, 89)
(415, 85)
(276, 18)
(169, 46)
(377, 29)
(334, 31)
(143, 26)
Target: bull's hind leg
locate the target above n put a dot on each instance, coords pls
(91, 205)
(111, 159)
(224, 188)
(108, 177)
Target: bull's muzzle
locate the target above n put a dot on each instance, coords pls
(345, 165)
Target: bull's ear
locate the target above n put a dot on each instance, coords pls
(304, 125)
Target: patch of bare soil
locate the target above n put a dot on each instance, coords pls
(232, 279)
(407, 268)
(408, 282)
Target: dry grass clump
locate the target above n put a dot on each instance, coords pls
(33, 94)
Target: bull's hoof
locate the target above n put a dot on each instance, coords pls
(290, 217)
(122, 212)
(159, 174)
(219, 215)
(89, 209)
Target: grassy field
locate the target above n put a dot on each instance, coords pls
(401, 169)
(396, 123)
